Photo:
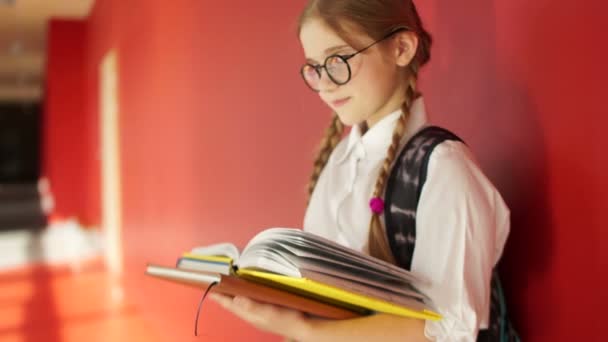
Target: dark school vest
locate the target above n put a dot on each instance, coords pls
(403, 190)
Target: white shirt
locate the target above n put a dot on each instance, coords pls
(462, 222)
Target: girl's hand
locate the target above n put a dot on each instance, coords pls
(271, 318)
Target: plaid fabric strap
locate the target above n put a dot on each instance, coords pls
(403, 190)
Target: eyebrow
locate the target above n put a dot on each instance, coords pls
(330, 50)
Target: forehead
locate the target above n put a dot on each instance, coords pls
(318, 40)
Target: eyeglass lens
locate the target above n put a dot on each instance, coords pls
(337, 69)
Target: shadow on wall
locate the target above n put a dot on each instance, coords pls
(492, 111)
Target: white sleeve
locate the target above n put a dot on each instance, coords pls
(461, 223)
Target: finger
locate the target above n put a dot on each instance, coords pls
(223, 300)
(254, 311)
(245, 303)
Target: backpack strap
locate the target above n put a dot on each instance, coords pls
(403, 191)
(404, 187)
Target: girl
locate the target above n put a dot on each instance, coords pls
(363, 59)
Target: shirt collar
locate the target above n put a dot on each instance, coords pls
(375, 142)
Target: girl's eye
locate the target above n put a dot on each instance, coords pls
(334, 62)
(309, 71)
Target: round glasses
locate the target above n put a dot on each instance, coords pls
(336, 67)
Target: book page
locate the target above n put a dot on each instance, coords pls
(310, 244)
(219, 249)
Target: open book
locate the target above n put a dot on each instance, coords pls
(308, 267)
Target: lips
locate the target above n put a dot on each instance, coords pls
(340, 102)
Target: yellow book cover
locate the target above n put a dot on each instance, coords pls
(336, 295)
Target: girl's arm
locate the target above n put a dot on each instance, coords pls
(295, 326)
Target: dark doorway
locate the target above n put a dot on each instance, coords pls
(20, 166)
(19, 143)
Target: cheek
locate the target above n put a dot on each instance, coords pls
(373, 76)
(371, 85)
(374, 84)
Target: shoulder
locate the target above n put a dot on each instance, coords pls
(455, 162)
(426, 148)
(453, 171)
(434, 148)
(450, 170)
(454, 154)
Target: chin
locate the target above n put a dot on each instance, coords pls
(349, 120)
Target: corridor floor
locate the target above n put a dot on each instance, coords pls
(57, 304)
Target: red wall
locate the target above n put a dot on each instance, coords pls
(204, 118)
(218, 132)
(523, 83)
(65, 130)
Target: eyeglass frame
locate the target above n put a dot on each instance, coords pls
(318, 68)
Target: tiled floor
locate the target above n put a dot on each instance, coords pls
(40, 303)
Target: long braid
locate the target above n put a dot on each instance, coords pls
(377, 242)
(373, 18)
(333, 134)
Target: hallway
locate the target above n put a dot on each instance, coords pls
(52, 304)
(169, 125)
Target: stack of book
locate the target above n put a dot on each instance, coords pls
(302, 271)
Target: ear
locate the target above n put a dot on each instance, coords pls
(405, 47)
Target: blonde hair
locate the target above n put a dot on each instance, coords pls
(376, 19)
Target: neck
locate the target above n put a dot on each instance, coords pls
(394, 103)
(363, 127)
